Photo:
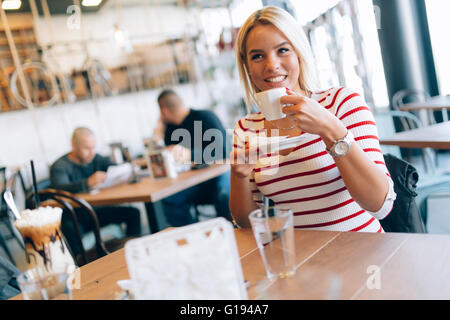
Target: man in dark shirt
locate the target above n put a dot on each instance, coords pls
(198, 136)
(80, 171)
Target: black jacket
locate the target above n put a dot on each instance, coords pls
(405, 215)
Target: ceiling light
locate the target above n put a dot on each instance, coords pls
(11, 4)
(91, 3)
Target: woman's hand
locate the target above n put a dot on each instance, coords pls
(310, 116)
(243, 161)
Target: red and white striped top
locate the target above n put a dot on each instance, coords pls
(308, 180)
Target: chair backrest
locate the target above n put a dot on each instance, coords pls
(408, 95)
(412, 95)
(41, 185)
(68, 201)
(386, 128)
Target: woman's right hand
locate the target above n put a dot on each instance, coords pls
(243, 161)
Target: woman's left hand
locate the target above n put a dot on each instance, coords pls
(309, 115)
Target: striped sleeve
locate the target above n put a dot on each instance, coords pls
(256, 194)
(354, 113)
(242, 133)
(388, 204)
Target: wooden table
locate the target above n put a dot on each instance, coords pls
(436, 136)
(411, 266)
(151, 191)
(438, 103)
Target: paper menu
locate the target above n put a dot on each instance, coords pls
(117, 175)
(198, 261)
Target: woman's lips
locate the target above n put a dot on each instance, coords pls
(276, 79)
(276, 82)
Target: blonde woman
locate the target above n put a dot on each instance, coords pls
(335, 178)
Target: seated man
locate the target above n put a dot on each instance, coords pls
(80, 171)
(179, 122)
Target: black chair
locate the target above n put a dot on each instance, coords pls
(67, 201)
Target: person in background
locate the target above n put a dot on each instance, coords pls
(179, 120)
(82, 170)
(336, 178)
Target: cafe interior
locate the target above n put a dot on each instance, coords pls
(78, 69)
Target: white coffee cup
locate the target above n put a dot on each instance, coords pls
(269, 103)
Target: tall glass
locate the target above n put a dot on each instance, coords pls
(274, 233)
(44, 244)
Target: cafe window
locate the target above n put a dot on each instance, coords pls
(437, 14)
(343, 36)
(217, 22)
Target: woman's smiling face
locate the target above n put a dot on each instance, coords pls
(271, 60)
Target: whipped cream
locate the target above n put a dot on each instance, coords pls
(39, 217)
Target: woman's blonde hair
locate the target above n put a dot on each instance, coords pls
(292, 30)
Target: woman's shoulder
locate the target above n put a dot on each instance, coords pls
(252, 118)
(251, 122)
(334, 91)
(335, 95)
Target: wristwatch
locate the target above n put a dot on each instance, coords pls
(342, 146)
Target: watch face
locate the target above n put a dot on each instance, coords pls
(341, 148)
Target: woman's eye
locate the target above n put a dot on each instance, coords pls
(283, 50)
(256, 56)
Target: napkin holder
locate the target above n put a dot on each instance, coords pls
(196, 262)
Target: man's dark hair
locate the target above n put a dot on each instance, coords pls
(166, 92)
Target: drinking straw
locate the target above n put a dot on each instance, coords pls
(266, 207)
(272, 209)
(269, 210)
(36, 195)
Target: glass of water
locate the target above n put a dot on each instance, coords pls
(274, 233)
(40, 284)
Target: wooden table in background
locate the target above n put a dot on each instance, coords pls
(436, 136)
(152, 191)
(149, 190)
(411, 266)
